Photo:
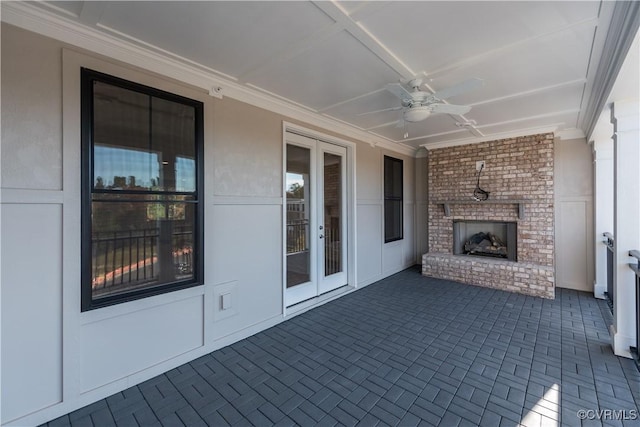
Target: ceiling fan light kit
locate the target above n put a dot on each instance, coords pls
(416, 114)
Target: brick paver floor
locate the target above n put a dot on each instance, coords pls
(407, 350)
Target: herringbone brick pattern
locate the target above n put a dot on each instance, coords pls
(405, 351)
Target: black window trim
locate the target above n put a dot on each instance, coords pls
(88, 76)
(394, 198)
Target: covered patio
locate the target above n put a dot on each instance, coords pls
(407, 350)
(270, 213)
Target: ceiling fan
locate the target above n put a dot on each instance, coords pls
(417, 105)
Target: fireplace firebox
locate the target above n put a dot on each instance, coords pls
(497, 239)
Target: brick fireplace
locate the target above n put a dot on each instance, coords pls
(519, 176)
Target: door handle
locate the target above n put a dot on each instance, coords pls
(321, 236)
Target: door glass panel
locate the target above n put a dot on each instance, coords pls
(332, 214)
(298, 210)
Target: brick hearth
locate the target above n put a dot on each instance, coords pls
(519, 169)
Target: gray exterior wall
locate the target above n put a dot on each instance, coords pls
(55, 358)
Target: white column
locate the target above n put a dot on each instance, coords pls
(625, 117)
(603, 207)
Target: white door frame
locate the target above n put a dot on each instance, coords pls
(350, 206)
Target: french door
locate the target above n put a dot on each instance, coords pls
(316, 218)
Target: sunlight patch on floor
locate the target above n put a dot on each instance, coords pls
(546, 412)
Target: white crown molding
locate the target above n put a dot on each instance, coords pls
(616, 35)
(49, 24)
(568, 134)
(493, 137)
(422, 153)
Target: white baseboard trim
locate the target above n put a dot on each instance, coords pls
(371, 280)
(234, 337)
(396, 270)
(621, 343)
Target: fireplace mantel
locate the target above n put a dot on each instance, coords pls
(446, 204)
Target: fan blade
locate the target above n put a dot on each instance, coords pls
(450, 109)
(398, 90)
(381, 111)
(459, 88)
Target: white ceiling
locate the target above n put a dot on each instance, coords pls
(537, 59)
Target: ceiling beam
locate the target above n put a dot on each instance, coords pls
(346, 101)
(382, 125)
(367, 39)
